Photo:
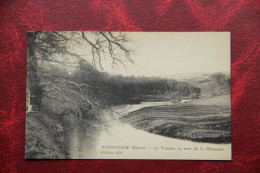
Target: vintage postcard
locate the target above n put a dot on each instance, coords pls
(128, 95)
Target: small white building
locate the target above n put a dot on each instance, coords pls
(185, 99)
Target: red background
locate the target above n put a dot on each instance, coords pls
(240, 17)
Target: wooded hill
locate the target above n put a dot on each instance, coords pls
(97, 89)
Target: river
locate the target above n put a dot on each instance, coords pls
(117, 133)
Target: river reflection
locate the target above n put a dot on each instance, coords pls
(82, 145)
(116, 133)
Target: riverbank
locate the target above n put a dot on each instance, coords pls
(200, 123)
(123, 133)
(120, 133)
(81, 145)
(204, 120)
(44, 138)
(144, 145)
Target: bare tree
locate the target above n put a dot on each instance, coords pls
(53, 60)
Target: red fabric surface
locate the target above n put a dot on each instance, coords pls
(240, 17)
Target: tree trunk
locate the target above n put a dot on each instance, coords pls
(33, 80)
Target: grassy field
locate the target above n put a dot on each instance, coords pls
(190, 121)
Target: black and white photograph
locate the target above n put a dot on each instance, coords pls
(128, 95)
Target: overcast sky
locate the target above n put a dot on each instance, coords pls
(176, 53)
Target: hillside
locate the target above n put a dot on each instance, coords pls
(211, 85)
